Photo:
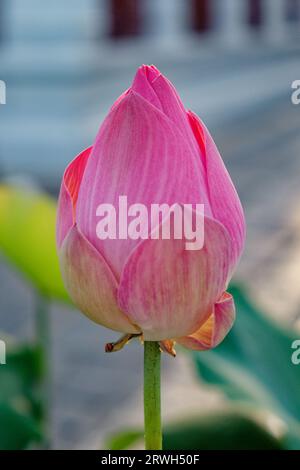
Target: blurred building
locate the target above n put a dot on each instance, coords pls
(65, 61)
(124, 18)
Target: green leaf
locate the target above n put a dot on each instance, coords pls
(253, 365)
(20, 406)
(17, 430)
(224, 430)
(124, 439)
(27, 237)
(20, 378)
(220, 431)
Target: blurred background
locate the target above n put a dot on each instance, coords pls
(64, 63)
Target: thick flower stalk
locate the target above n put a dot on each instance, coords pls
(153, 151)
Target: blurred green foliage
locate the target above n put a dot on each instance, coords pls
(124, 439)
(253, 365)
(27, 240)
(20, 408)
(224, 430)
(27, 237)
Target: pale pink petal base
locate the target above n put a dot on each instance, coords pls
(91, 284)
(214, 330)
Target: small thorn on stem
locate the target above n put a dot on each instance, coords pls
(167, 346)
(109, 347)
(118, 345)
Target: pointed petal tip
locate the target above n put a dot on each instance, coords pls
(150, 71)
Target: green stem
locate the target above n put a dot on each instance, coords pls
(152, 413)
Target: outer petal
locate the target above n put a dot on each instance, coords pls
(91, 283)
(69, 194)
(224, 200)
(140, 154)
(214, 330)
(170, 291)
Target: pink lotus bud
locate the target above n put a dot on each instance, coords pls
(151, 150)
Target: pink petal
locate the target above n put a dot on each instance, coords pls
(142, 84)
(224, 200)
(118, 100)
(158, 90)
(173, 107)
(170, 291)
(215, 329)
(140, 154)
(69, 194)
(91, 284)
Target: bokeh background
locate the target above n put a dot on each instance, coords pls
(64, 63)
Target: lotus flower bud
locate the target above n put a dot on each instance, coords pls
(151, 151)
